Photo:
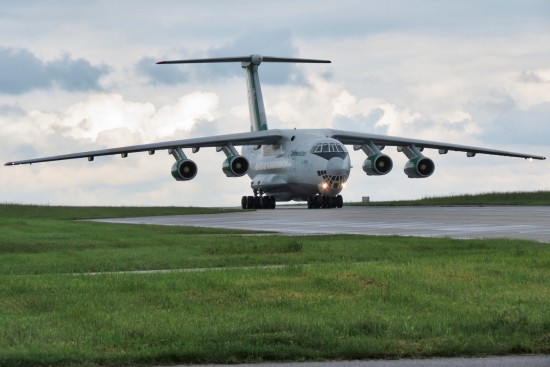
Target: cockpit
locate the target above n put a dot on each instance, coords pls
(327, 147)
(328, 150)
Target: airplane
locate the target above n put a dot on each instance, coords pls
(310, 165)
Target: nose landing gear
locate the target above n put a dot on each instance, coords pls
(322, 201)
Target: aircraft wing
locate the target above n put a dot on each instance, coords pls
(247, 138)
(354, 138)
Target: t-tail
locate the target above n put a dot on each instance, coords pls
(258, 119)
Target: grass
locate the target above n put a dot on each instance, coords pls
(495, 198)
(335, 297)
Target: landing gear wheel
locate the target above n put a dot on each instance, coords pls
(250, 202)
(339, 201)
(317, 202)
(258, 202)
(265, 202)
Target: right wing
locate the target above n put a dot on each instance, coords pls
(247, 138)
(354, 138)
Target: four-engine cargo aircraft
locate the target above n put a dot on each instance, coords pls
(289, 164)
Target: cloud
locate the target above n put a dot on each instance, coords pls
(520, 126)
(268, 42)
(11, 110)
(161, 74)
(106, 120)
(22, 71)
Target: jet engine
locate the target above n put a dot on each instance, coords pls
(377, 164)
(235, 166)
(419, 167)
(184, 170)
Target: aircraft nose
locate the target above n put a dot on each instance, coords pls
(336, 174)
(337, 166)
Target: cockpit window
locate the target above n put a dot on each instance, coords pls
(329, 150)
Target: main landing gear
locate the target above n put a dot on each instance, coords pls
(322, 201)
(258, 202)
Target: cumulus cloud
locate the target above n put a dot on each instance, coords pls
(102, 115)
(22, 72)
(100, 121)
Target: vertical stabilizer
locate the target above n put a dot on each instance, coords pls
(258, 119)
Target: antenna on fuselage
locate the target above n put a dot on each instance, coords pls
(258, 120)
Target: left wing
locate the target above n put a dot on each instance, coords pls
(247, 138)
(354, 138)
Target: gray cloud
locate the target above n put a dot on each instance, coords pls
(11, 110)
(363, 123)
(161, 74)
(519, 126)
(22, 71)
(271, 42)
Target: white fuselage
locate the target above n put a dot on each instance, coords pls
(305, 164)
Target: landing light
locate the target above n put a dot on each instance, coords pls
(325, 185)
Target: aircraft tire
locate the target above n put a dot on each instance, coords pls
(339, 201)
(325, 202)
(273, 202)
(244, 203)
(265, 202)
(316, 201)
(250, 202)
(310, 202)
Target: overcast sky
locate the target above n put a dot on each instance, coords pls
(81, 75)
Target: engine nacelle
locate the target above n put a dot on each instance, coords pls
(419, 167)
(377, 164)
(235, 166)
(184, 170)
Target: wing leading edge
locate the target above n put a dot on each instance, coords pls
(354, 138)
(248, 138)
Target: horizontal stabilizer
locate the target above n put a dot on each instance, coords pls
(255, 59)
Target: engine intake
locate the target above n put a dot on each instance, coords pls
(419, 167)
(377, 164)
(184, 170)
(235, 166)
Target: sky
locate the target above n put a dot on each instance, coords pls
(82, 75)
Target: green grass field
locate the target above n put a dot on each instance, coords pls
(493, 198)
(331, 297)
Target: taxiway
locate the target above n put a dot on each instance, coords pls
(520, 222)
